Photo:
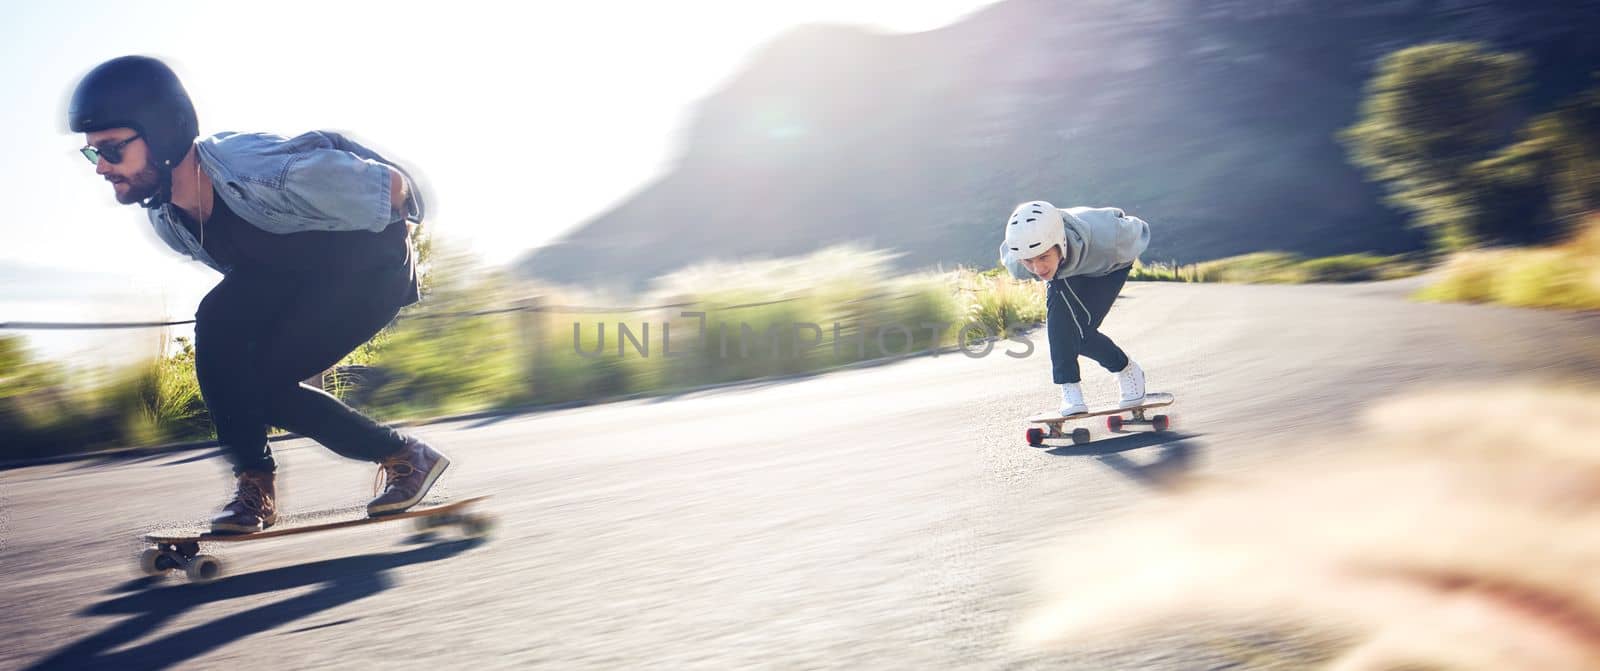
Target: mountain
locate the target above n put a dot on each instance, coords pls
(1215, 120)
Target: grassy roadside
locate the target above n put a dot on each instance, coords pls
(1562, 276)
(1282, 268)
(762, 318)
(460, 352)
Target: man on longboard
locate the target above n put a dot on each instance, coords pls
(1084, 254)
(311, 235)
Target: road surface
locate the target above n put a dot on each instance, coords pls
(883, 517)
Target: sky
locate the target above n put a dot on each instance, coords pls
(525, 119)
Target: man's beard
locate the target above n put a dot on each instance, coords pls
(141, 185)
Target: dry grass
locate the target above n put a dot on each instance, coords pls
(1565, 276)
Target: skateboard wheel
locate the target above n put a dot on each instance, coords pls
(1160, 422)
(150, 562)
(1114, 423)
(423, 524)
(1080, 436)
(477, 526)
(1035, 437)
(203, 569)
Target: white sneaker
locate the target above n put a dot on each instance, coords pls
(1072, 400)
(1131, 379)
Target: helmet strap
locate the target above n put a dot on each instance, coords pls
(163, 194)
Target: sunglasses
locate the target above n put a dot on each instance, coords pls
(111, 151)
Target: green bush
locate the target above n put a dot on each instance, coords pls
(558, 373)
(800, 314)
(1165, 272)
(159, 401)
(459, 363)
(1286, 268)
(46, 409)
(999, 303)
(1357, 268)
(447, 365)
(1257, 268)
(1429, 113)
(426, 364)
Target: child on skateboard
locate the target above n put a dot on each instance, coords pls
(311, 235)
(1084, 254)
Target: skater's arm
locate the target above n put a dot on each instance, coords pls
(1133, 236)
(331, 183)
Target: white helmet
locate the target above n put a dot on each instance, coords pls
(1033, 229)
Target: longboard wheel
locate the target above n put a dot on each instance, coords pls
(150, 562)
(1035, 437)
(1080, 436)
(1114, 423)
(203, 569)
(477, 526)
(424, 523)
(1160, 422)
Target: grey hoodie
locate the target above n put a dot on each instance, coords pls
(1099, 240)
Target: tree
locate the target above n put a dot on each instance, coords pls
(1430, 115)
(1571, 135)
(1552, 172)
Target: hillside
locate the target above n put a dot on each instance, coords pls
(1215, 121)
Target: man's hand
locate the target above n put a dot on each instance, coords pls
(399, 193)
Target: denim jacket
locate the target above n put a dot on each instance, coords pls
(1100, 240)
(317, 181)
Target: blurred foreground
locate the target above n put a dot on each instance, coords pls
(1456, 530)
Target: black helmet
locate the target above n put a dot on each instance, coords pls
(141, 93)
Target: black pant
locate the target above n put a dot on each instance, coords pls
(1074, 309)
(259, 332)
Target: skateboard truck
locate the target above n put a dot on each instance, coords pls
(1157, 422)
(181, 556)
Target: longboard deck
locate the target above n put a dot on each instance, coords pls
(1155, 400)
(176, 536)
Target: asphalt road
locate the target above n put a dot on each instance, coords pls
(884, 517)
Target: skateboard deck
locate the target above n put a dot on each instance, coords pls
(1114, 420)
(180, 549)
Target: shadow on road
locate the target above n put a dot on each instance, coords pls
(137, 584)
(736, 386)
(342, 581)
(208, 454)
(1175, 457)
(90, 463)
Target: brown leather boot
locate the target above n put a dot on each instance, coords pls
(254, 506)
(408, 475)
